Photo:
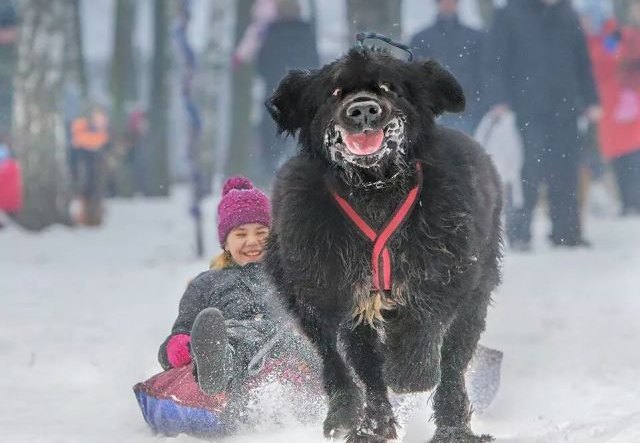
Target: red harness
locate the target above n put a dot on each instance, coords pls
(383, 280)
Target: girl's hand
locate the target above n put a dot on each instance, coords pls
(179, 350)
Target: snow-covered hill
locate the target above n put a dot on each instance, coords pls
(82, 313)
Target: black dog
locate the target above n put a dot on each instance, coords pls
(386, 238)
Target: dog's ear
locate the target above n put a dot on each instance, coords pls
(286, 105)
(444, 90)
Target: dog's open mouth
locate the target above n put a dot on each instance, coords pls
(367, 148)
(363, 143)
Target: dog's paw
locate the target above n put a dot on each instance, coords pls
(344, 414)
(378, 425)
(458, 434)
(356, 436)
(379, 420)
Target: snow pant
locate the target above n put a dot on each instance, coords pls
(246, 338)
(87, 171)
(627, 170)
(551, 156)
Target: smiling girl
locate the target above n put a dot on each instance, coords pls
(228, 313)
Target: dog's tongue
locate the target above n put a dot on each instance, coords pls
(364, 143)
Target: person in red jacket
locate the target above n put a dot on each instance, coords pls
(615, 53)
(10, 182)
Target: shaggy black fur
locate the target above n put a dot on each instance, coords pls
(445, 257)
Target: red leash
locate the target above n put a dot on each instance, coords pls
(380, 240)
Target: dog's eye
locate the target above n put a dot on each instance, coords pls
(384, 87)
(336, 92)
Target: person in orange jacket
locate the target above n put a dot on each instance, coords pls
(89, 138)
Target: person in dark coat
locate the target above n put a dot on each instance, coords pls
(229, 313)
(537, 65)
(289, 43)
(458, 48)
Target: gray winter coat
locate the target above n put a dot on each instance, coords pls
(248, 303)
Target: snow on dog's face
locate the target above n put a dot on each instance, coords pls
(365, 112)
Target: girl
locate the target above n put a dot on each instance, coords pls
(229, 313)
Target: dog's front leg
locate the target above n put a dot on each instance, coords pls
(344, 396)
(363, 349)
(452, 411)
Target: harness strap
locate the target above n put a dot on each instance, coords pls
(383, 280)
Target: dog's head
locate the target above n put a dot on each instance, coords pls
(366, 113)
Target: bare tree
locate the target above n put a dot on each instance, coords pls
(123, 91)
(381, 16)
(38, 126)
(159, 99)
(123, 73)
(211, 80)
(240, 138)
(75, 66)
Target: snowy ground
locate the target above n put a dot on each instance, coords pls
(82, 313)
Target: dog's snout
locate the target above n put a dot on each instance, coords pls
(363, 113)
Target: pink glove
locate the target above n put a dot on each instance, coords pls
(178, 350)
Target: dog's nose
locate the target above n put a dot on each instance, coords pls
(364, 113)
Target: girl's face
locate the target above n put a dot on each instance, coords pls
(246, 243)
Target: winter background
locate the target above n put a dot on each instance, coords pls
(82, 313)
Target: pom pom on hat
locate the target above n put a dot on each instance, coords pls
(241, 203)
(236, 182)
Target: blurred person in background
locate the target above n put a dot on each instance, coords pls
(538, 66)
(89, 140)
(458, 48)
(137, 128)
(627, 166)
(263, 12)
(615, 51)
(10, 181)
(289, 43)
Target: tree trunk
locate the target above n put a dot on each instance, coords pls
(158, 147)
(212, 78)
(381, 16)
(241, 140)
(123, 74)
(38, 126)
(123, 91)
(75, 65)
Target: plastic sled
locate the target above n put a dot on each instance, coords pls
(172, 403)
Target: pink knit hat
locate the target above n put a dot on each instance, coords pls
(241, 203)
